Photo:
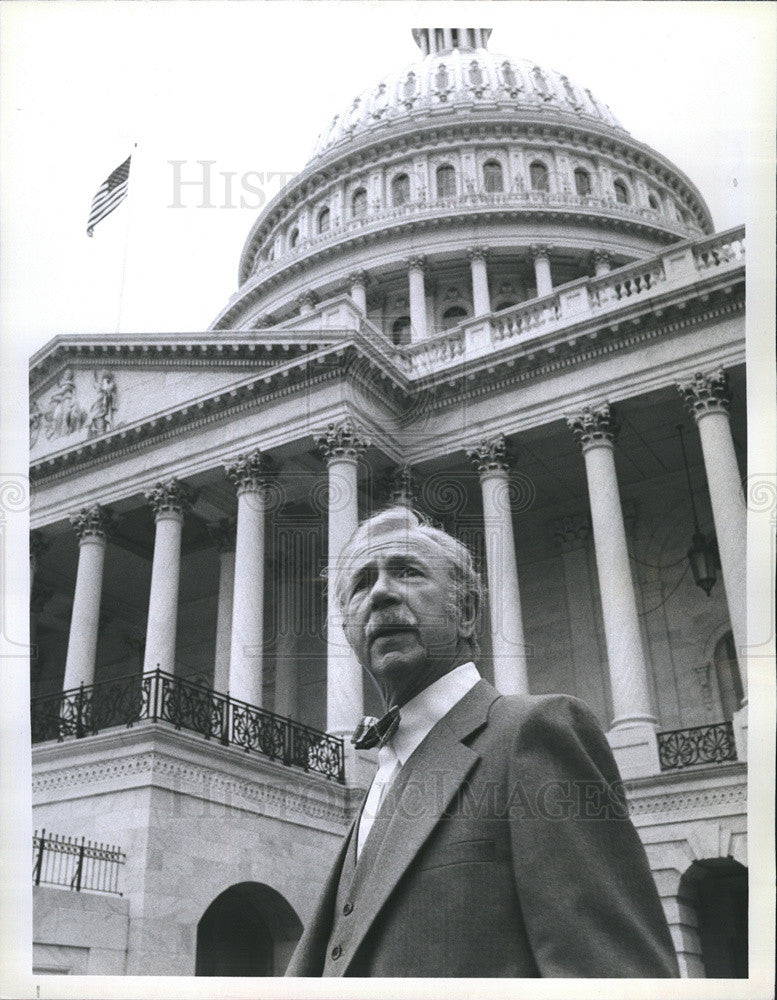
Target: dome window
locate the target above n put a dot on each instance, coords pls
(653, 202)
(621, 193)
(400, 330)
(476, 78)
(582, 182)
(324, 220)
(492, 176)
(441, 79)
(538, 174)
(359, 204)
(569, 90)
(446, 181)
(453, 316)
(293, 237)
(510, 79)
(540, 82)
(400, 190)
(408, 87)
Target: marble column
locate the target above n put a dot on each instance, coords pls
(542, 270)
(286, 658)
(633, 729)
(92, 525)
(447, 35)
(507, 639)
(358, 283)
(602, 262)
(708, 398)
(480, 297)
(342, 444)
(249, 475)
(223, 535)
(170, 501)
(417, 292)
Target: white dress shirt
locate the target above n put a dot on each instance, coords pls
(417, 719)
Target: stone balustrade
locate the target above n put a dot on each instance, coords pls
(475, 202)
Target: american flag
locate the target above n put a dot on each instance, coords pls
(110, 194)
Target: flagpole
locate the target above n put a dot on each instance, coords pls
(130, 206)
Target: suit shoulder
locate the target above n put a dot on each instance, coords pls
(552, 710)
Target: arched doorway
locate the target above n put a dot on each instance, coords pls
(716, 889)
(248, 930)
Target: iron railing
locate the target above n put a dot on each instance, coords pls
(81, 866)
(160, 697)
(700, 745)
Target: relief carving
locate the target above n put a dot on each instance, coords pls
(64, 415)
(102, 410)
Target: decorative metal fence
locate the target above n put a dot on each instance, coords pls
(700, 745)
(161, 697)
(81, 866)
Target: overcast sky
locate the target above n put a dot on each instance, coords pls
(249, 86)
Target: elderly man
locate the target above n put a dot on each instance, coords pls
(494, 840)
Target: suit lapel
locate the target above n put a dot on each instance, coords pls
(424, 789)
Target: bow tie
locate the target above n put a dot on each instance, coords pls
(372, 732)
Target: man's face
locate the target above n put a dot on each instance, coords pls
(400, 612)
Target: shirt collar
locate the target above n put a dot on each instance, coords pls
(419, 715)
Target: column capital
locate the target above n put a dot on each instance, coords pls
(539, 251)
(594, 426)
(262, 321)
(222, 533)
(705, 393)
(571, 532)
(342, 440)
(490, 455)
(248, 473)
(477, 253)
(601, 257)
(359, 278)
(307, 300)
(171, 497)
(93, 522)
(418, 261)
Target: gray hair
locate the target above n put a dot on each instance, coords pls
(467, 583)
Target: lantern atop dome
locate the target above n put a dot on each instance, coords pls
(435, 41)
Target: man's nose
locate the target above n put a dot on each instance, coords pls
(384, 589)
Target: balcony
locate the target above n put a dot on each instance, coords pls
(474, 203)
(80, 866)
(681, 748)
(158, 697)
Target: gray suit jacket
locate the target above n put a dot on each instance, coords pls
(503, 849)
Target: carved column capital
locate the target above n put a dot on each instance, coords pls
(571, 531)
(477, 253)
(169, 498)
(417, 262)
(402, 487)
(539, 251)
(490, 455)
(359, 278)
(342, 440)
(601, 257)
(706, 393)
(307, 300)
(248, 473)
(93, 522)
(222, 533)
(594, 426)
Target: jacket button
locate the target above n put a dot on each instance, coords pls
(348, 908)
(336, 952)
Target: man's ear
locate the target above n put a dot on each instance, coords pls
(468, 614)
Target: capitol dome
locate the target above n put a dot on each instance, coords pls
(463, 152)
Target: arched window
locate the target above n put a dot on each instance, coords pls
(492, 176)
(582, 182)
(324, 217)
(539, 80)
(293, 237)
(538, 174)
(400, 190)
(453, 316)
(446, 181)
(359, 204)
(621, 193)
(400, 330)
(653, 202)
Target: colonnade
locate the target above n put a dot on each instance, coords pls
(417, 270)
(240, 627)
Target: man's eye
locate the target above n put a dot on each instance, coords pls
(407, 571)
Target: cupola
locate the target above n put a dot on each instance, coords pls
(436, 41)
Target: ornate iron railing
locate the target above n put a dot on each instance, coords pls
(161, 697)
(80, 866)
(700, 745)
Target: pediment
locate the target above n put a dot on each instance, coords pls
(77, 394)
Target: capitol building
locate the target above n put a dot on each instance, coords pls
(482, 297)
